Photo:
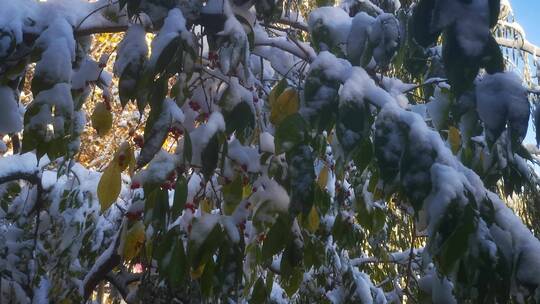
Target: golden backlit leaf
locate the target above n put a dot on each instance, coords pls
(102, 119)
(286, 104)
(134, 241)
(109, 186)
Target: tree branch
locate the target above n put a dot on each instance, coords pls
(107, 261)
(121, 281)
(32, 178)
(519, 44)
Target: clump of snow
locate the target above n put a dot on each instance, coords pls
(501, 99)
(360, 86)
(10, 114)
(269, 199)
(21, 163)
(266, 142)
(385, 36)
(157, 170)
(202, 135)
(438, 108)
(203, 226)
(245, 156)
(333, 19)
(88, 71)
(470, 19)
(358, 39)
(173, 26)
(133, 48)
(331, 66)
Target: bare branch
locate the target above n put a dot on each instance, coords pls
(520, 44)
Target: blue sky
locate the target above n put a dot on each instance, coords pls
(527, 13)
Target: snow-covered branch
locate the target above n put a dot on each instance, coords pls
(519, 44)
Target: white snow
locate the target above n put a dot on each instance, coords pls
(11, 119)
(133, 48)
(500, 98)
(335, 19)
(266, 142)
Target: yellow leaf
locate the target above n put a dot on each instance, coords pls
(276, 91)
(206, 205)
(109, 186)
(323, 178)
(134, 241)
(313, 220)
(455, 139)
(101, 119)
(125, 158)
(286, 104)
(246, 191)
(197, 273)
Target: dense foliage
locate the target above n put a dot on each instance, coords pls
(277, 151)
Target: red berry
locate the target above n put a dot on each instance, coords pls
(172, 176)
(133, 216)
(248, 204)
(139, 141)
(254, 189)
(135, 185)
(194, 106)
(191, 207)
(244, 167)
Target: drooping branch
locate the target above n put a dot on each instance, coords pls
(121, 281)
(106, 262)
(520, 44)
(32, 178)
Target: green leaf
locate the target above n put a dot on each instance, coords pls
(164, 58)
(301, 175)
(180, 197)
(259, 294)
(201, 250)
(165, 244)
(492, 58)
(363, 155)
(276, 238)
(188, 147)
(322, 200)
(207, 278)
(210, 156)
(420, 24)
(494, 11)
(290, 133)
(352, 126)
(456, 244)
(232, 195)
(240, 120)
(460, 69)
(177, 268)
(156, 208)
(290, 267)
